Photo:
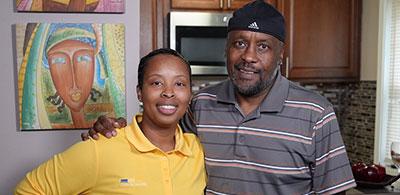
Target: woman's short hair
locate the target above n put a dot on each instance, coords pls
(163, 51)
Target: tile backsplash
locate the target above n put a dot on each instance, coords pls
(354, 104)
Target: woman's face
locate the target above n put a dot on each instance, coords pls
(166, 91)
(72, 70)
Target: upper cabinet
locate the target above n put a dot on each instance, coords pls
(208, 4)
(212, 4)
(322, 40)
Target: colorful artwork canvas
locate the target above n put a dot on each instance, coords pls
(103, 6)
(69, 74)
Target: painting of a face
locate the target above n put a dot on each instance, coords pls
(69, 74)
(106, 6)
(71, 5)
(72, 70)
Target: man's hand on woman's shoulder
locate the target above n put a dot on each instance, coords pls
(105, 126)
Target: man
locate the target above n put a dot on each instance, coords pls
(261, 133)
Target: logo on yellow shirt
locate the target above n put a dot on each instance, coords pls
(131, 182)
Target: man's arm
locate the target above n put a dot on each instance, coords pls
(332, 172)
(105, 126)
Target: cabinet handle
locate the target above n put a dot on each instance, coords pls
(287, 67)
(229, 3)
(221, 4)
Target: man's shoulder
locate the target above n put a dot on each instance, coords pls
(302, 94)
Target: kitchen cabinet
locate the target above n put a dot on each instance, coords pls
(322, 40)
(153, 25)
(197, 4)
(212, 4)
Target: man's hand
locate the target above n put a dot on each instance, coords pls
(105, 126)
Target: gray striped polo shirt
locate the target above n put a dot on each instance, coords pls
(291, 144)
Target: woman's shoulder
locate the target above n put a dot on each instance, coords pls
(193, 142)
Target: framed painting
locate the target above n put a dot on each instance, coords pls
(103, 6)
(69, 74)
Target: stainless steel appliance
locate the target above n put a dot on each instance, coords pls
(200, 37)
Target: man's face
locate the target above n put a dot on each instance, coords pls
(253, 60)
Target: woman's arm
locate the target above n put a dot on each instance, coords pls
(71, 172)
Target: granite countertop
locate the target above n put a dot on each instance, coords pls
(386, 190)
(391, 189)
(394, 188)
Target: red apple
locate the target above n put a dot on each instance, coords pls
(380, 171)
(357, 169)
(373, 173)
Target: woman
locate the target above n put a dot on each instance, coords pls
(152, 155)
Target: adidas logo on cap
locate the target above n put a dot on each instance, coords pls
(253, 26)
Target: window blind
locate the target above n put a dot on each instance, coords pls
(393, 104)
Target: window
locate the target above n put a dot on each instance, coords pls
(388, 83)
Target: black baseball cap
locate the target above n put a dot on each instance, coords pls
(259, 16)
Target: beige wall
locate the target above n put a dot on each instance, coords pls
(369, 40)
(22, 151)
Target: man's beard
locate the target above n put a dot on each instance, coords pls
(255, 89)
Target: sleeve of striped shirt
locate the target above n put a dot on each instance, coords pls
(332, 171)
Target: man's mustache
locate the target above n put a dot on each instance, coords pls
(247, 67)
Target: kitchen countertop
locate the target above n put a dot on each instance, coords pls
(382, 191)
(391, 189)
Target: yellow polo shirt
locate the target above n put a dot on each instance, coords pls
(126, 164)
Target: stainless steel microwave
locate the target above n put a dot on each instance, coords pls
(200, 37)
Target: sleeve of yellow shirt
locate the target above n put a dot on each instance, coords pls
(73, 171)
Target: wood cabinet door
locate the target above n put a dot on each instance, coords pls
(236, 4)
(153, 22)
(322, 39)
(213, 4)
(197, 4)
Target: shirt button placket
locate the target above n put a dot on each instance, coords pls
(239, 145)
(166, 175)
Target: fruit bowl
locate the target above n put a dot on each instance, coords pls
(388, 179)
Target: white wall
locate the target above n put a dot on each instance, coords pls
(369, 40)
(22, 151)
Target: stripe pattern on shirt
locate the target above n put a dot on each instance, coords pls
(298, 150)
